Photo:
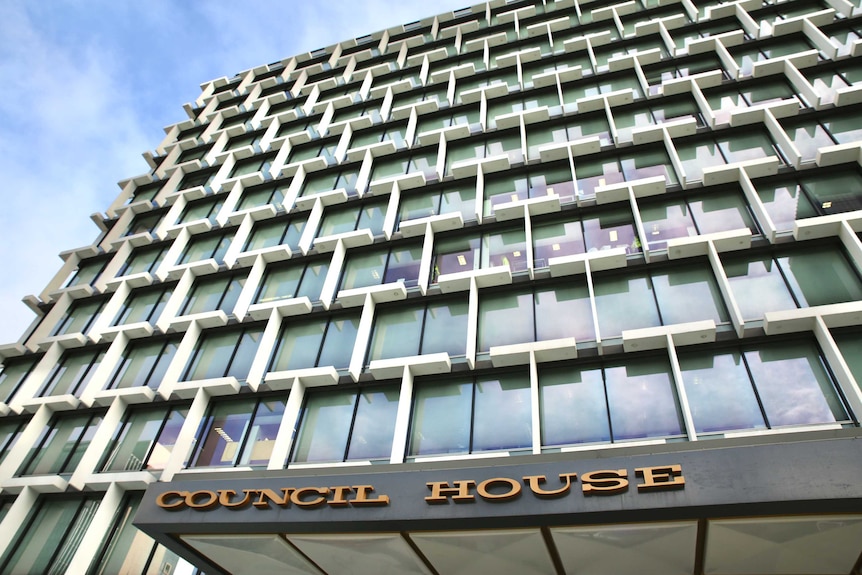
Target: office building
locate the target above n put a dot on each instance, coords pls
(532, 287)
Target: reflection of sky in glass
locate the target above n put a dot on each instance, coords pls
(758, 288)
(375, 425)
(793, 385)
(642, 401)
(441, 418)
(573, 407)
(502, 415)
(324, 427)
(719, 393)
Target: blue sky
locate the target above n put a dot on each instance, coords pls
(88, 86)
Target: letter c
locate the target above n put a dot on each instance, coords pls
(178, 496)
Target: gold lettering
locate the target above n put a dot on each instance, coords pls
(660, 478)
(297, 497)
(267, 495)
(440, 492)
(208, 503)
(483, 489)
(362, 499)
(535, 482)
(338, 494)
(224, 496)
(178, 496)
(605, 482)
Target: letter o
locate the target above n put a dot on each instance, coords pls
(210, 502)
(179, 496)
(514, 489)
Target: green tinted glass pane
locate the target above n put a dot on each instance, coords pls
(325, 427)
(688, 294)
(821, 276)
(624, 302)
(719, 392)
(299, 346)
(793, 385)
(564, 311)
(339, 341)
(785, 203)
(374, 425)
(501, 414)
(573, 407)
(279, 284)
(363, 270)
(396, 333)
(505, 318)
(642, 401)
(441, 418)
(757, 287)
(445, 328)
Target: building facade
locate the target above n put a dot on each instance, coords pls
(530, 287)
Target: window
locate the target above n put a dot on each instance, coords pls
(809, 135)
(62, 443)
(293, 281)
(13, 374)
(719, 210)
(244, 140)
(756, 387)
(196, 179)
(465, 253)
(224, 353)
(725, 99)
(508, 143)
(252, 165)
(50, 536)
(788, 199)
(80, 316)
(279, 232)
(460, 116)
(146, 192)
(143, 363)
(673, 295)
(629, 118)
(212, 246)
(347, 218)
(523, 316)
(213, 293)
(602, 170)
(588, 124)
(609, 403)
(145, 222)
(393, 133)
(404, 331)
(73, 372)
(471, 415)
(10, 432)
(827, 82)
(87, 272)
(239, 432)
(747, 55)
(679, 68)
(347, 425)
(364, 268)
(521, 102)
(193, 154)
(144, 440)
(314, 149)
(818, 275)
(261, 196)
(128, 550)
(424, 161)
(452, 198)
(145, 259)
(203, 209)
(697, 153)
(607, 83)
(329, 180)
(317, 342)
(144, 305)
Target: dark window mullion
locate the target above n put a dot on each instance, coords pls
(155, 439)
(754, 387)
(233, 354)
(246, 434)
(352, 424)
